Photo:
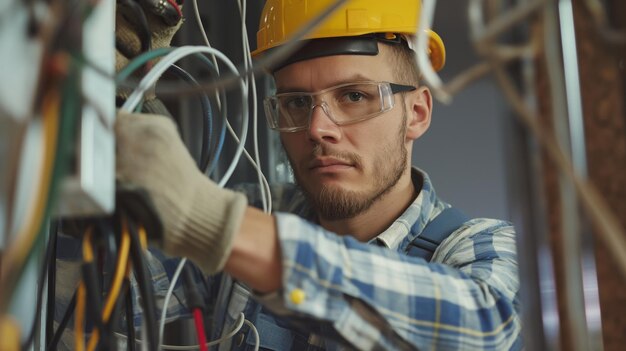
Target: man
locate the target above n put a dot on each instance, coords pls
(349, 107)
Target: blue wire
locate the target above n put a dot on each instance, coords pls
(220, 143)
(208, 123)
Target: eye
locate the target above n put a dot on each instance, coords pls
(297, 102)
(354, 96)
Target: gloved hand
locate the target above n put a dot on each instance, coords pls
(141, 25)
(199, 218)
(136, 19)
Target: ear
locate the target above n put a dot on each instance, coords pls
(419, 109)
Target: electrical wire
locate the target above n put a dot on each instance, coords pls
(236, 329)
(207, 121)
(262, 64)
(16, 254)
(52, 345)
(44, 271)
(150, 78)
(122, 270)
(168, 296)
(208, 44)
(199, 325)
(196, 12)
(142, 274)
(220, 144)
(144, 336)
(60, 108)
(257, 341)
(79, 318)
(143, 237)
(154, 74)
(265, 191)
(221, 101)
(264, 183)
(130, 317)
(51, 268)
(139, 61)
(92, 287)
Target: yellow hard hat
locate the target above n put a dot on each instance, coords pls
(280, 19)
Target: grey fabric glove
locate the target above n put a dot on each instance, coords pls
(200, 219)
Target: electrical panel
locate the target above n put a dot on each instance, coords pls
(90, 186)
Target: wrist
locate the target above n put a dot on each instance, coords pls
(206, 234)
(255, 258)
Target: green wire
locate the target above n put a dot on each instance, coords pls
(70, 110)
(139, 61)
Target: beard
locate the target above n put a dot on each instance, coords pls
(332, 202)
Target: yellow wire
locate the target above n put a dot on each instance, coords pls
(87, 247)
(120, 273)
(143, 237)
(17, 251)
(121, 270)
(79, 318)
(88, 257)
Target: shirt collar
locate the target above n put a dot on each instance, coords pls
(413, 220)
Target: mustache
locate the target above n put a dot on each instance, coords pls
(325, 150)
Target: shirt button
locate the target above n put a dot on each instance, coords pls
(297, 296)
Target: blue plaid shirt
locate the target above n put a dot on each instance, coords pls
(377, 297)
(372, 295)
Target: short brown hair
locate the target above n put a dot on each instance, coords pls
(404, 63)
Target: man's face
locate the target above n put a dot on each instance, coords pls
(345, 169)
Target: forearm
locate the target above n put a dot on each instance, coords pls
(255, 257)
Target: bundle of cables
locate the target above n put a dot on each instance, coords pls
(123, 236)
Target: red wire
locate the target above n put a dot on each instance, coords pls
(199, 322)
(175, 5)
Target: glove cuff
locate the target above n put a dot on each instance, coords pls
(210, 227)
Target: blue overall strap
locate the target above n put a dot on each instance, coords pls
(435, 232)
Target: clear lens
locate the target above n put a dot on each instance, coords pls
(345, 104)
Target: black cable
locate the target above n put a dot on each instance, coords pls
(66, 319)
(93, 293)
(50, 254)
(142, 27)
(107, 234)
(55, 227)
(192, 294)
(145, 287)
(207, 125)
(130, 318)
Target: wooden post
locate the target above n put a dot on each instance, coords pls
(603, 78)
(602, 83)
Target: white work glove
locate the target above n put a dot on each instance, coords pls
(200, 219)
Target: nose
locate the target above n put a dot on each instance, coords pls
(321, 127)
